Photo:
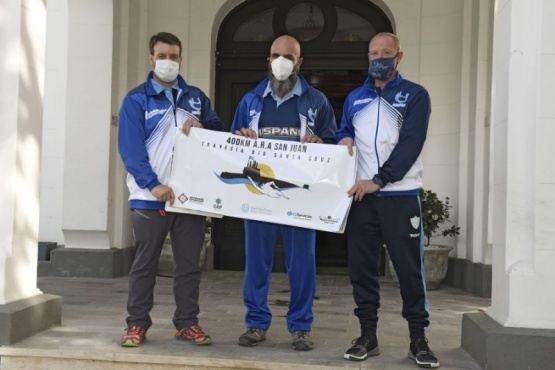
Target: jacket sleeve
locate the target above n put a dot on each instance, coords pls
(131, 143)
(210, 119)
(326, 125)
(240, 120)
(411, 139)
(346, 129)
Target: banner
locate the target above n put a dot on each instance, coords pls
(285, 182)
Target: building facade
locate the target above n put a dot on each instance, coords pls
(488, 66)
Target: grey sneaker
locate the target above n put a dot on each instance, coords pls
(252, 337)
(302, 341)
(420, 352)
(362, 348)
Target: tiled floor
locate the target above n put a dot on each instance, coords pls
(94, 312)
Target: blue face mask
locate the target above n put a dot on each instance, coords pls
(382, 68)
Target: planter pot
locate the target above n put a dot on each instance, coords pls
(436, 258)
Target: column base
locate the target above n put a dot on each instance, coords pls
(29, 316)
(95, 263)
(474, 278)
(497, 347)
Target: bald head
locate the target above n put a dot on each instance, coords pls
(286, 45)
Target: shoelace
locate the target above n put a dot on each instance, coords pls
(254, 331)
(135, 330)
(301, 335)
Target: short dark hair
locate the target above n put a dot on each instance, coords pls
(166, 38)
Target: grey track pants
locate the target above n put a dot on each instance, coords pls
(150, 228)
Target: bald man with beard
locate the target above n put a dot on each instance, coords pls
(282, 107)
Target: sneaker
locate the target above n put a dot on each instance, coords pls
(362, 348)
(302, 341)
(134, 337)
(252, 337)
(194, 335)
(422, 354)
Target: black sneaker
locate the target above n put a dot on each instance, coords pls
(252, 337)
(302, 341)
(362, 348)
(422, 354)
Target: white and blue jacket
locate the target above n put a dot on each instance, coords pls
(389, 129)
(148, 123)
(315, 112)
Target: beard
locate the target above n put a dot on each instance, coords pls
(281, 88)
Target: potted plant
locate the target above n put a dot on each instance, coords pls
(435, 213)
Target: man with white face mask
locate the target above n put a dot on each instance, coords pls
(150, 116)
(282, 107)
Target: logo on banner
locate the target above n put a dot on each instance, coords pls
(329, 220)
(218, 204)
(182, 198)
(245, 208)
(300, 216)
(259, 179)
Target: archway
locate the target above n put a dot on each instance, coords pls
(334, 36)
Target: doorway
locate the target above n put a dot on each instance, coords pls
(334, 37)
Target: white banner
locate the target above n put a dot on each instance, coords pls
(284, 182)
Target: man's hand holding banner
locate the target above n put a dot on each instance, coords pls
(285, 182)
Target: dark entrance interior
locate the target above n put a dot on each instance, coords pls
(334, 37)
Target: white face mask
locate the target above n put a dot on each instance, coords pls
(166, 69)
(282, 68)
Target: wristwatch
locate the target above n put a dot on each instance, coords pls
(376, 180)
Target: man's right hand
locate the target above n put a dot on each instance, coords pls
(246, 132)
(163, 193)
(349, 142)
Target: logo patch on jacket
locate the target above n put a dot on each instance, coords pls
(401, 100)
(195, 106)
(312, 116)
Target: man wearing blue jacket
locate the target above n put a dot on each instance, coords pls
(150, 116)
(387, 120)
(283, 107)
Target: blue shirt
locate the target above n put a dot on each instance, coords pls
(167, 90)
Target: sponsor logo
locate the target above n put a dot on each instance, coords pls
(261, 210)
(300, 216)
(328, 219)
(154, 112)
(401, 100)
(362, 101)
(196, 200)
(182, 198)
(245, 208)
(279, 131)
(218, 204)
(414, 235)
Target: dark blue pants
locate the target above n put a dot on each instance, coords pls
(150, 228)
(299, 247)
(395, 221)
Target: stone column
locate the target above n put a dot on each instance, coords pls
(24, 310)
(518, 330)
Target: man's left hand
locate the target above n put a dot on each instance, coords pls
(311, 139)
(190, 123)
